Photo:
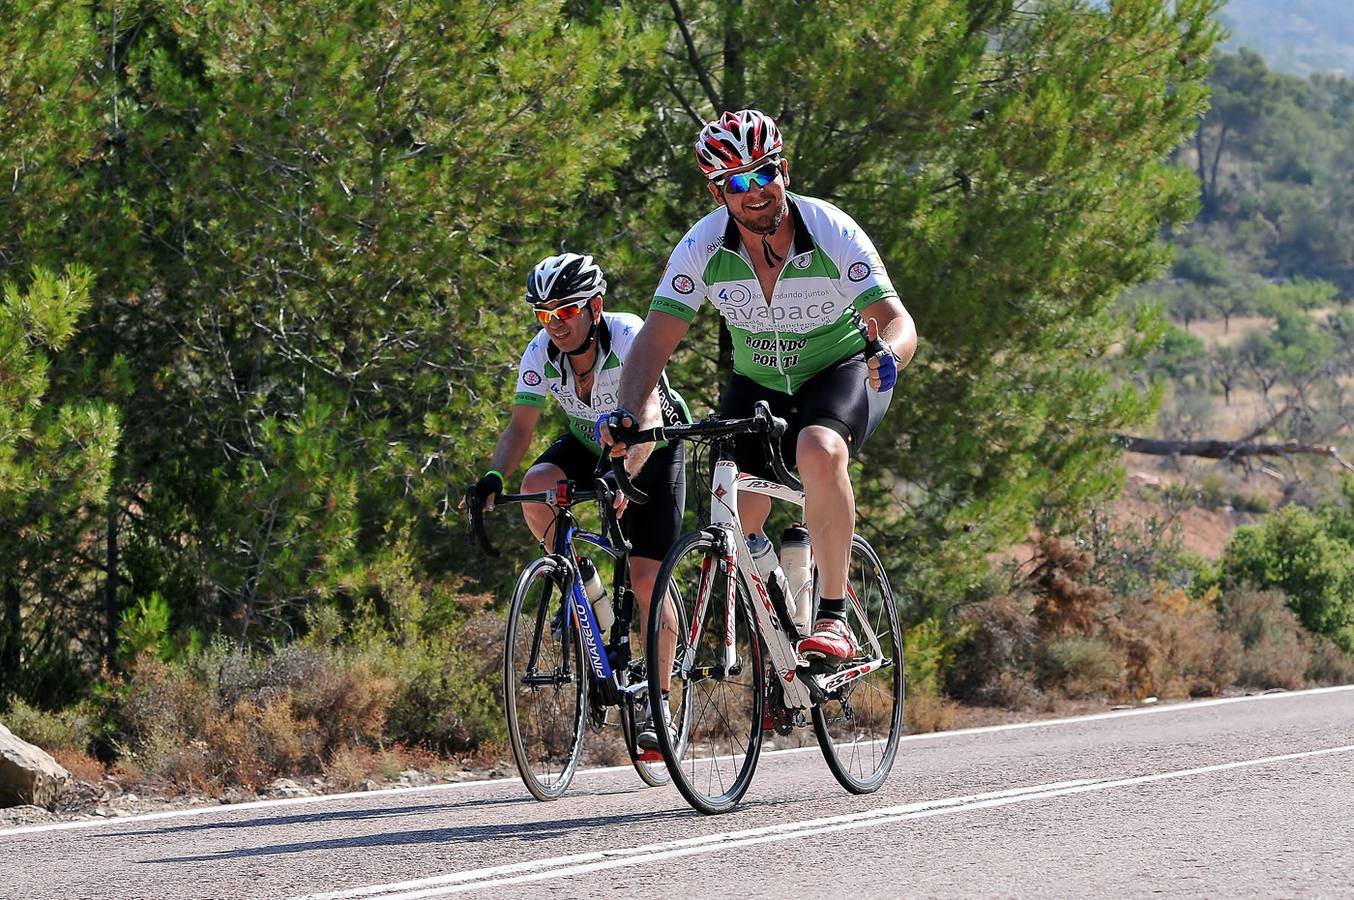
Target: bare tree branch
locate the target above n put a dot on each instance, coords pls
(693, 57)
(681, 98)
(1231, 450)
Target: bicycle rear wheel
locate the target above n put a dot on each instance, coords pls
(716, 710)
(545, 708)
(859, 724)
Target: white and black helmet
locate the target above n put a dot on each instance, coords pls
(568, 276)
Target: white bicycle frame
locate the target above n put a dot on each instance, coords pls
(785, 658)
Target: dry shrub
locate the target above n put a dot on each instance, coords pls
(82, 766)
(450, 686)
(1066, 604)
(1276, 652)
(992, 665)
(283, 735)
(234, 747)
(607, 748)
(1329, 663)
(1084, 666)
(350, 766)
(162, 701)
(1175, 648)
(927, 712)
(348, 705)
(67, 729)
(225, 718)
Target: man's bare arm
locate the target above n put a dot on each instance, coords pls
(512, 444)
(896, 327)
(650, 352)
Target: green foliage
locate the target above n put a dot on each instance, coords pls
(929, 654)
(56, 458)
(145, 627)
(68, 729)
(1202, 265)
(1178, 357)
(1294, 550)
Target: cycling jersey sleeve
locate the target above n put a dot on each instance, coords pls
(531, 375)
(683, 287)
(863, 277)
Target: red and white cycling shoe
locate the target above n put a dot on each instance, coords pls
(831, 640)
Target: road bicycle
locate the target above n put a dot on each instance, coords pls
(737, 672)
(556, 679)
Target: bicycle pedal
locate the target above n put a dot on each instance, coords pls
(648, 756)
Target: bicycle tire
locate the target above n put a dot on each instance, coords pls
(545, 721)
(849, 724)
(653, 773)
(713, 760)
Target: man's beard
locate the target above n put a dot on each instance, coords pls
(760, 227)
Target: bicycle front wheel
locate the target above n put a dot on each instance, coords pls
(715, 699)
(859, 723)
(545, 699)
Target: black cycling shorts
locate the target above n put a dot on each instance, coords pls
(651, 527)
(839, 398)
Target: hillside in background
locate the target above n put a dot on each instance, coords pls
(1297, 36)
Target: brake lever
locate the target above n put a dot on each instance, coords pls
(773, 430)
(613, 522)
(625, 484)
(478, 535)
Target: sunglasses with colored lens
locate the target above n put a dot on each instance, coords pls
(743, 181)
(563, 313)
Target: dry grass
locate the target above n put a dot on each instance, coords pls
(352, 766)
(927, 712)
(1216, 333)
(82, 766)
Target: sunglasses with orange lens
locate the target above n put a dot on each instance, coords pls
(564, 313)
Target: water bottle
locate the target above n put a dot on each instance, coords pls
(764, 557)
(794, 560)
(596, 594)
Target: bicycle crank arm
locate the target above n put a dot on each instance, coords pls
(838, 680)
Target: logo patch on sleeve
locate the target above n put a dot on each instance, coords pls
(683, 284)
(859, 271)
(532, 378)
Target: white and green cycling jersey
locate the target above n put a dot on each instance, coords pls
(545, 371)
(812, 320)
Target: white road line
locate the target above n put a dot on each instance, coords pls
(1188, 706)
(584, 863)
(694, 842)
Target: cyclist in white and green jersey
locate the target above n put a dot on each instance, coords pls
(578, 357)
(818, 332)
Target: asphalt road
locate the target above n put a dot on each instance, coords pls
(1239, 797)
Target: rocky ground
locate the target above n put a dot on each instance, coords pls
(115, 798)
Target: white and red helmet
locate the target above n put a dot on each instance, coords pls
(736, 140)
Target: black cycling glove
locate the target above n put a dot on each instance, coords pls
(620, 433)
(491, 485)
